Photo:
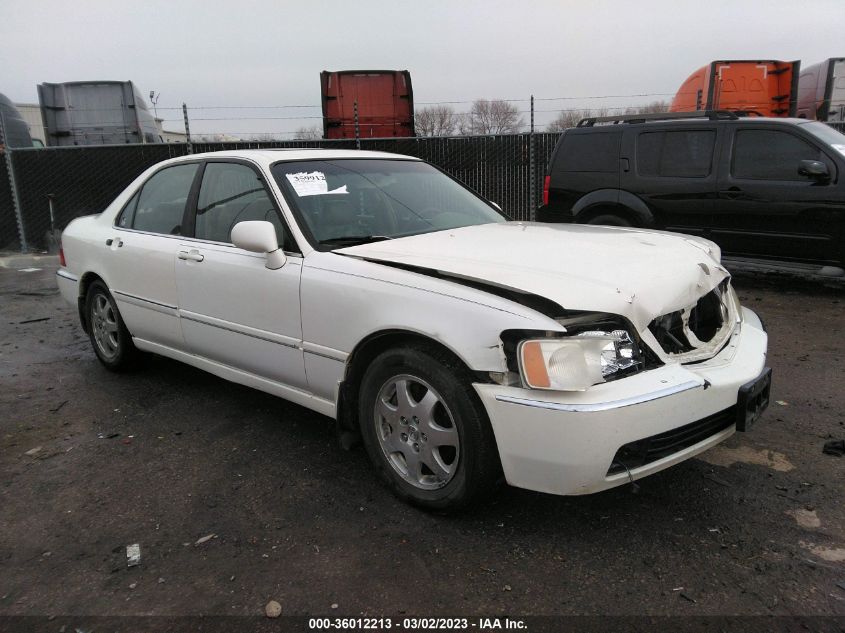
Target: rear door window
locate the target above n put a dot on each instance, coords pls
(589, 151)
(770, 155)
(161, 204)
(676, 154)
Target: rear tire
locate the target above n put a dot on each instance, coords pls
(425, 430)
(606, 218)
(110, 339)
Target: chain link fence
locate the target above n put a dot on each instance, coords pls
(58, 184)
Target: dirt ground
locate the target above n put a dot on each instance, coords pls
(91, 461)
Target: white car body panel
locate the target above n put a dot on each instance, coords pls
(223, 321)
(293, 331)
(578, 266)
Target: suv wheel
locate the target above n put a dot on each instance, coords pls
(608, 219)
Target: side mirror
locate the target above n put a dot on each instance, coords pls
(259, 236)
(814, 170)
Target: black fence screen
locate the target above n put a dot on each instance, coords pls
(83, 180)
(9, 237)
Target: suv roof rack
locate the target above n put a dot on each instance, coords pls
(713, 115)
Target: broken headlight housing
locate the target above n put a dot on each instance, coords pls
(575, 363)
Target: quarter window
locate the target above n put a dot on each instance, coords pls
(590, 151)
(161, 204)
(232, 193)
(680, 154)
(770, 155)
(128, 212)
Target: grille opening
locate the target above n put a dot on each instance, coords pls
(704, 321)
(654, 448)
(705, 318)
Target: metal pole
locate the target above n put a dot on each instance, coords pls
(357, 130)
(532, 209)
(10, 171)
(187, 129)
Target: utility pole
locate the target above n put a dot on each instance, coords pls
(357, 129)
(187, 129)
(532, 209)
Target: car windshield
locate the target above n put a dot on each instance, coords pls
(827, 135)
(359, 200)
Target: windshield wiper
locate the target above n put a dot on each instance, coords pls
(352, 240)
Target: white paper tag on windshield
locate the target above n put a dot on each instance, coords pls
(308, 183)
(839, 148)
(312, 184)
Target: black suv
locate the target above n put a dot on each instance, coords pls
(761, 188)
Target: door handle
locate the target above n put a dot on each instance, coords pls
(731, 194)
(192, 255)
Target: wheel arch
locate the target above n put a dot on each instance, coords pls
(365, 352)
(85, 282)
(616, 201)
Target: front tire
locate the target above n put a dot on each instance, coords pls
(110, 339)
(425, 429)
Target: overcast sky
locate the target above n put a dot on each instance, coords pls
(266, 53)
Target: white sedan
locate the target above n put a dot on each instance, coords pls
(377, 290)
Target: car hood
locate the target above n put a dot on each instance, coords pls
(637, 273)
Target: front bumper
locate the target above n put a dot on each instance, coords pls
(565, 443)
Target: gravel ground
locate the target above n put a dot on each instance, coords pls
(167, 456)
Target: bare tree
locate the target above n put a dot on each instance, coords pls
(654, 107)
(312, 133)
(491, 117)
(570, 118)
(436, 120)
(263, 137)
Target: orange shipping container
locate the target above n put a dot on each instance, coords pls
(763, 87)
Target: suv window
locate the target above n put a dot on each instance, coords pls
(770, 155)
(232, 193)
(677, 154)
(589, 151)
(162, 200)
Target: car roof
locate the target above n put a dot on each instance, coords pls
(269, 156)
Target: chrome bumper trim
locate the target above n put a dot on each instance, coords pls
(602, 406)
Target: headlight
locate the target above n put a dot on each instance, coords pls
(576, 363)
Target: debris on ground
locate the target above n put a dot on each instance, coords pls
(61, 404)
(33, 451)
(834, 447)
(133, 555)
(34, 320)
(202, 540)
(335, 605)
(273, 609)
(782, 403)
(688, 598)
